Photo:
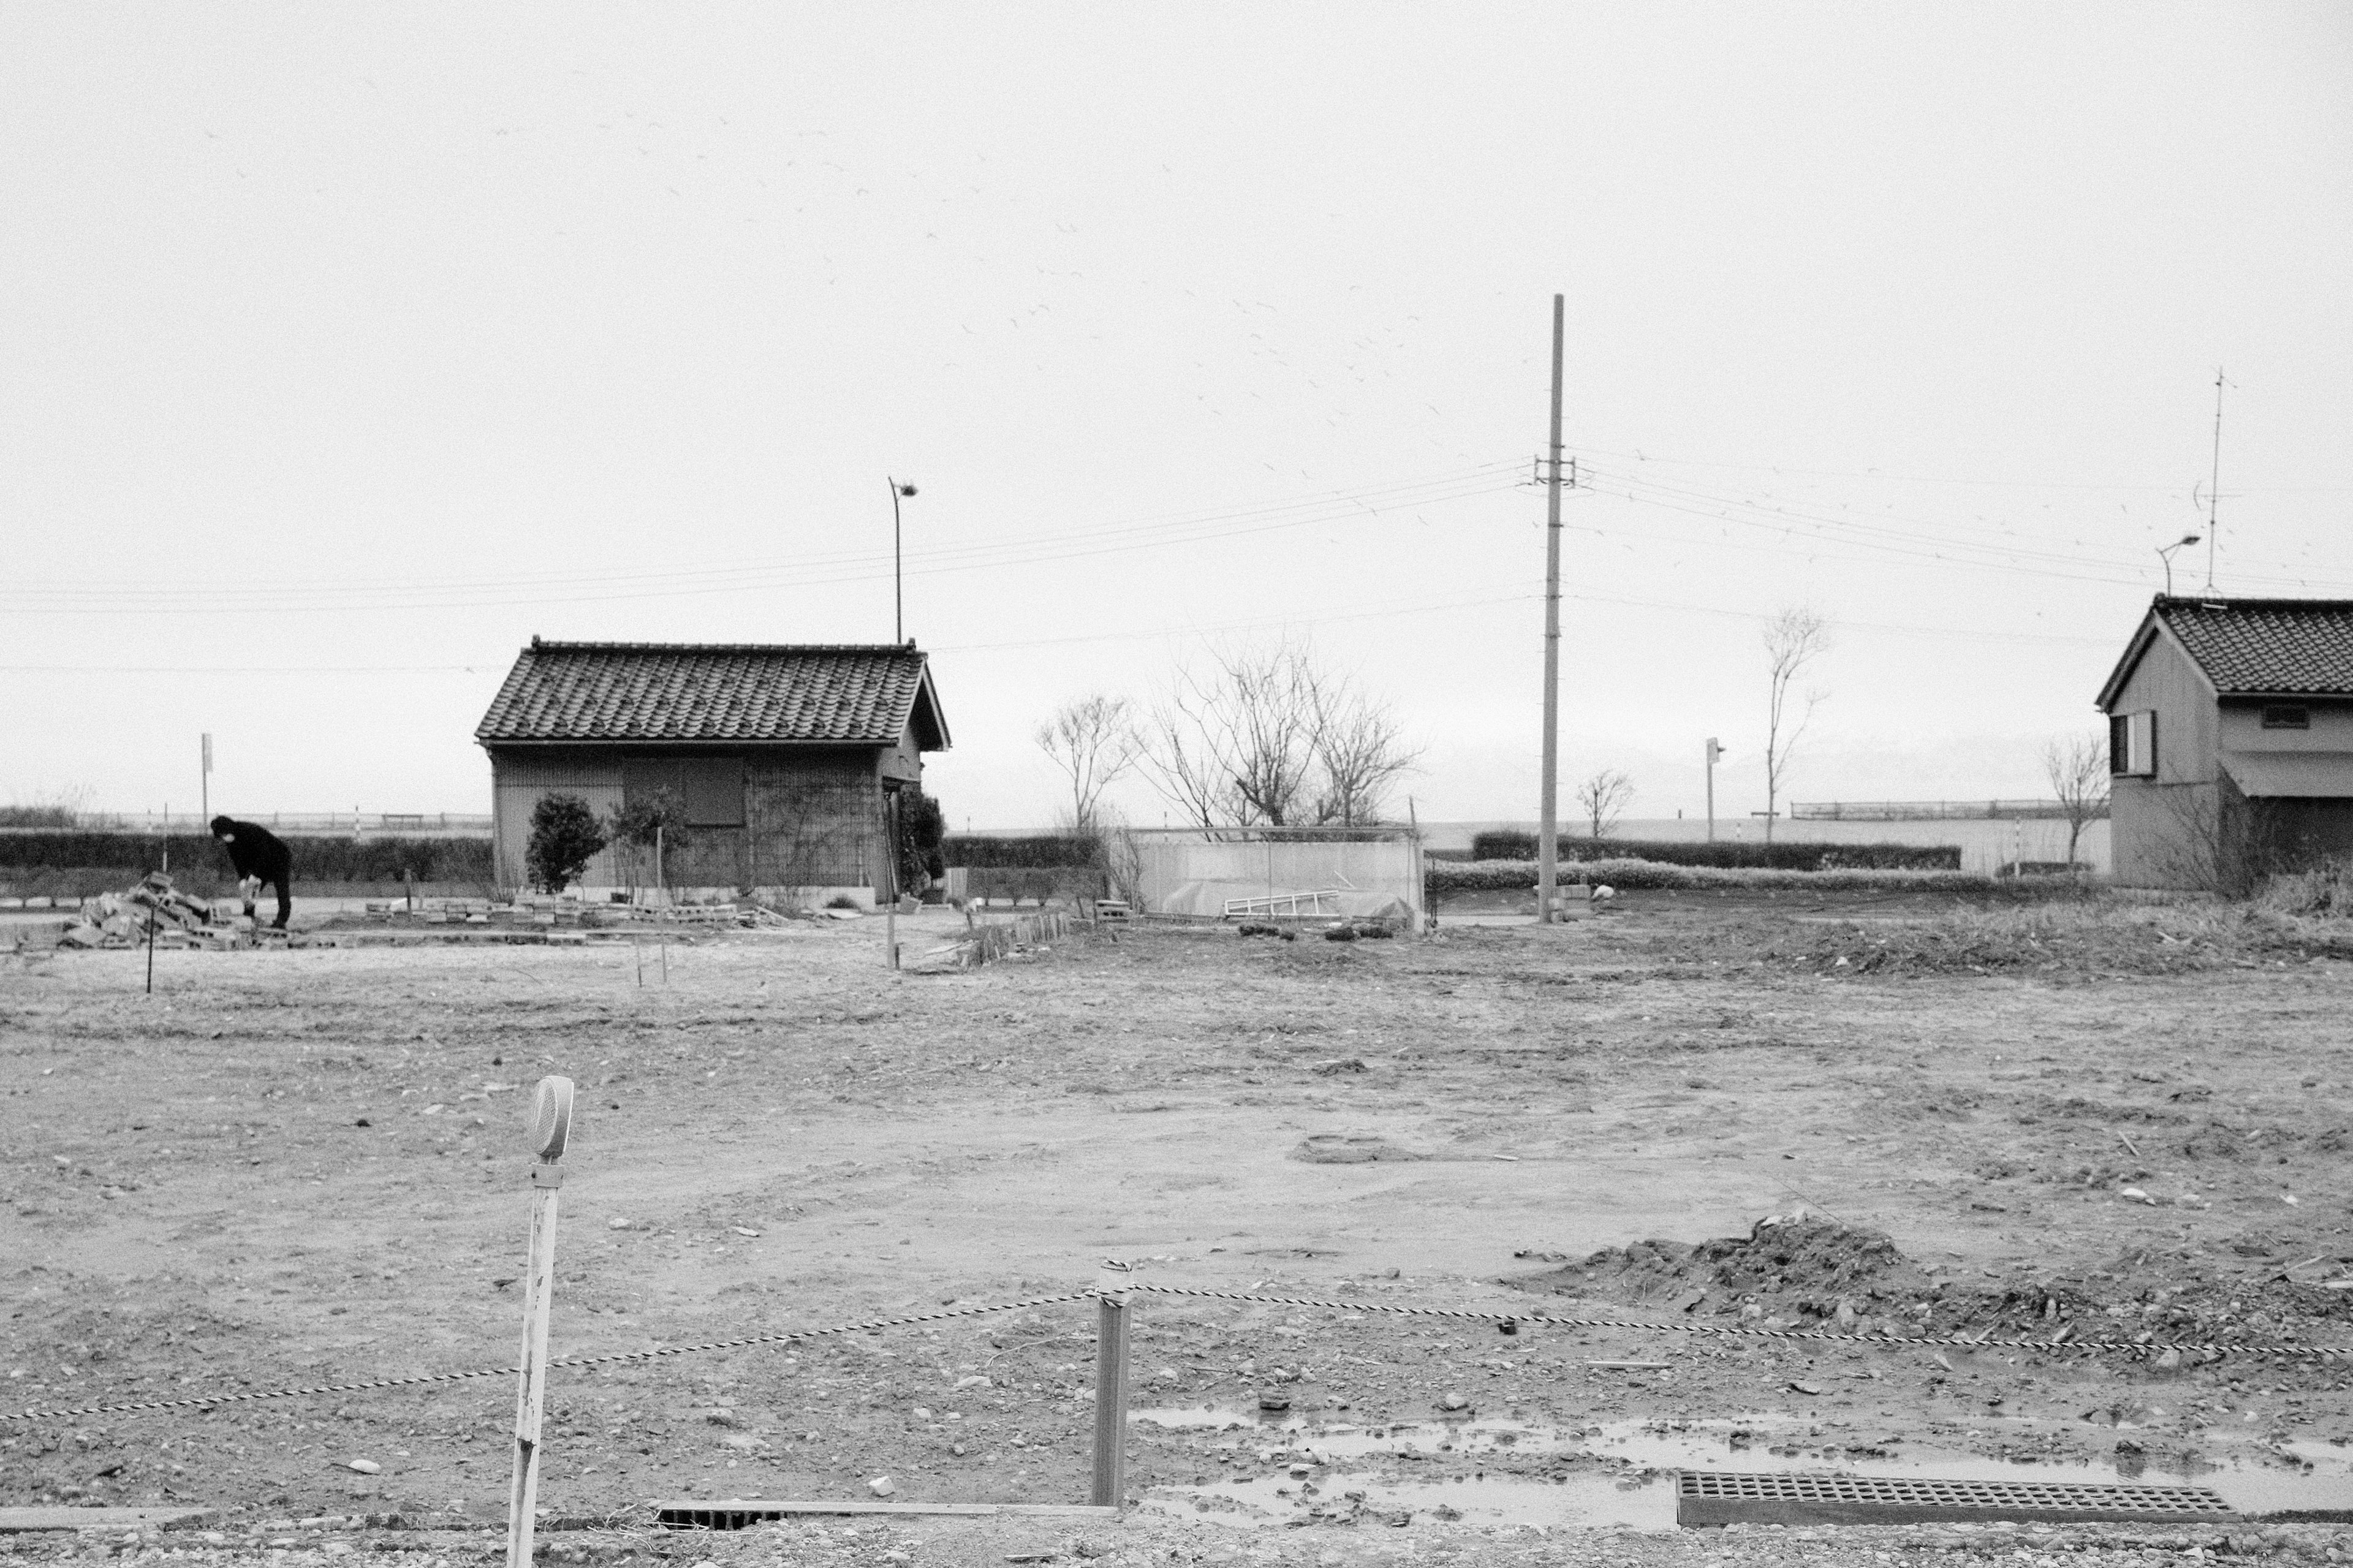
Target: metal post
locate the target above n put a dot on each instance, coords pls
(551, 1129)
(1111, 1386)
(1548, 833)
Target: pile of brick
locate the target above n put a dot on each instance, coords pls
(154, 906)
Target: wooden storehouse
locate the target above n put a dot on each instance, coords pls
(784, 757)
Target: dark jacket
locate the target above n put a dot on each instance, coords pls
(254, 850)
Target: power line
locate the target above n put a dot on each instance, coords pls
(835, 568)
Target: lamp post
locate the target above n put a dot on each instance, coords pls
(898, 614)
(2164, 554)
(1713, 751)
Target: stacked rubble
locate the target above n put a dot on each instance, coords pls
(157, 909)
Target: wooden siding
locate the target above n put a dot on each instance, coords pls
(2243, 728)
(2161, 828)
(518, 779)
(813, 818)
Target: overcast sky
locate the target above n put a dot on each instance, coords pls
(342, 348)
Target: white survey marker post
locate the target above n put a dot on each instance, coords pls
(551, 1130)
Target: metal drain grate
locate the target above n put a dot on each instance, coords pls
(1713, 1497)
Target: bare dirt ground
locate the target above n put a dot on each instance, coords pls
(306, 1167)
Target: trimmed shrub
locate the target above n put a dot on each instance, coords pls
(1042, 852)
(1515, 875)
(564, 836)
(380, 860)
(1513, 845)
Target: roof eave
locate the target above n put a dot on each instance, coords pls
(724, 741)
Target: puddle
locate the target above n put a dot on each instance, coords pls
(1339, 1471)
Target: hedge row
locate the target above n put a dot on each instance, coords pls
(315, 860)
(1512, 845)
(1520, 876)
(1042, 852)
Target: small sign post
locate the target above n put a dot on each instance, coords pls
(551, 1129)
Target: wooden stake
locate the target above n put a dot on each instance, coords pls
(639, 949)
(551, 1130)
(151, 952)
(1111, 1387)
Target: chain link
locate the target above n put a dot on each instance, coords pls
(1720, 1331)
(869, 1325)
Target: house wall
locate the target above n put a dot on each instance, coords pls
(812, 817)
(2243, 729)
(816, 821)
(518, 778)
(903, 761)
(2162, 830)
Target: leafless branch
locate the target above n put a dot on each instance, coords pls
(1793, 639)
(1603, 798)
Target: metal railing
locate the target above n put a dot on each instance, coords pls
(1929, 810)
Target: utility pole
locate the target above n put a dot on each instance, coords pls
(898, 610)
(205, 787)
(1548, 834)
(1713, 751)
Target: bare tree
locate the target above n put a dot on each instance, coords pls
(1094, 743)
(1361, 751)
(2077, 767)
(1272, 738)
(1793, 639)
(1603, 798)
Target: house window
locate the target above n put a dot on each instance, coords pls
(2132, 745)
(2287, 716)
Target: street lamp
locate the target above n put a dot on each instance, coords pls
(898, 614)
(2164, 554)
(1713, 751)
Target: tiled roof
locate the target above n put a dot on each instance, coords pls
(2283, 646)
(847, 693)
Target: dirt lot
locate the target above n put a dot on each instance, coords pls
(306, 1167)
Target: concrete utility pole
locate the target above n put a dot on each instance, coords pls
(1548, 834)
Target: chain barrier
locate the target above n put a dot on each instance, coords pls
(1727, 1330)
(1717, 1331)
(869, 1325)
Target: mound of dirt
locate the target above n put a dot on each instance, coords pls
(1808, 1272)
(1805, 1267)
(1977, 947)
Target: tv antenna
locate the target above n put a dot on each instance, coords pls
(2214, 482)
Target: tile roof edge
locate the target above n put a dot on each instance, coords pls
(538, 645)
(2223, 602)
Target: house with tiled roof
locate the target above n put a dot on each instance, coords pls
(785, 758)
(2231, 740)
